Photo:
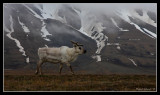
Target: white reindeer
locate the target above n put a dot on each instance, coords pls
(62, 55)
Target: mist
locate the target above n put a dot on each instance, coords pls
(109, 7)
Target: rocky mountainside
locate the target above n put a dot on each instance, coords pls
(123, 41)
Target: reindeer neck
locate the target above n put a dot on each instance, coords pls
(72, 51)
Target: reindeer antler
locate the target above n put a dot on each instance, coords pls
(76, 43)
(79, 44)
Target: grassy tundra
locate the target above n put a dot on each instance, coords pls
(79, 82)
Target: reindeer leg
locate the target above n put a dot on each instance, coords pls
(37, 71)
(39, 67)
(60, 68)
(70, 68)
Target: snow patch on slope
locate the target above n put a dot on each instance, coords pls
(132, 61)
(21, 49)
(82, 31)
(134, 39)
(114, 44)
(120, 29)
(48, 11)
(25, 28)
(97, 57)
(44, 33)
(92, 28)
(35, 14)
(27, 60)
(137, 27)
(124, 14)
(151, 33)
(144, 17)
(118, 47)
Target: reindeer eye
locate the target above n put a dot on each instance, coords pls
(80, 48)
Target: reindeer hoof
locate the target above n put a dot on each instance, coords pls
(36, 73)
(41, 73)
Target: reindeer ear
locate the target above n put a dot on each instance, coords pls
(74, 45)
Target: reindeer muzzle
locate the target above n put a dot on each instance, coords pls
(84, 51)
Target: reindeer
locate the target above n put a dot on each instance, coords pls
(61, 55)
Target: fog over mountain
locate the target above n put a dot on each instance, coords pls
(119, 37)
(109, 7)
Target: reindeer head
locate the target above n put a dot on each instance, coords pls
(78, 48)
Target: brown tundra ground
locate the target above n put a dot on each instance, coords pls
(22, 81)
